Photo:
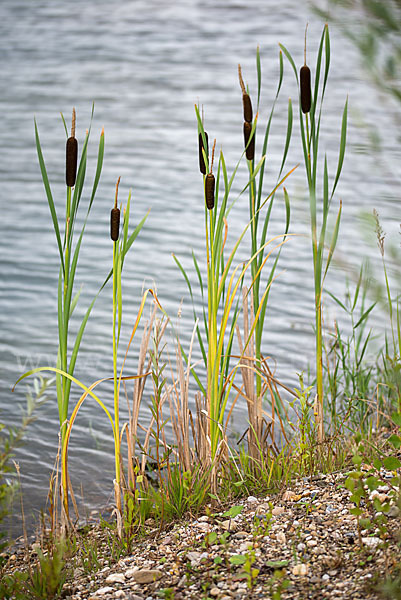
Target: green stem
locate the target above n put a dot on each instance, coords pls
(116, 400)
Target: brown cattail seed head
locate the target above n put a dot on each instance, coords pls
(115, 217)
(306, 94)
(250, 150)
(71, 155)
(115, 224)
(209, 190)
(246, 101)
(202, 165)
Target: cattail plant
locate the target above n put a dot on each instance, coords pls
(259, 225)
(69, 254)
(322, 253)
(220, 317)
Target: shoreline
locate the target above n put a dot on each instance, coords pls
(303, 537)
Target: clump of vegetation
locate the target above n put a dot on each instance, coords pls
(291, 432)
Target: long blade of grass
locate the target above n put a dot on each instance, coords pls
(342, 146)
(49, 195)
(99, 166)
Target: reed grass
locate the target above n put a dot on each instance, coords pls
(319, 211)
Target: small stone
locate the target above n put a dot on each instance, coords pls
(116, 578)
(130, 572)
(194, 557)
(240, 535)
(229, 525)
(103, 591)
(203, 519)
(301, 547)
(290, 496)
(311, 543)
(325, 577)
(214, 591)
(120, 594)
(252, 499)
(300, 569)
(280, 537)
(147, 575)
(278, 510)
(371, 542)
(393, 512)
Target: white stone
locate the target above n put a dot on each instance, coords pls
(300, 569)
(311, 543)
(371, 542)
(278, 510)
(103, 591)
(325, 577)
(130, 572)
(252, 499)
(116, 578)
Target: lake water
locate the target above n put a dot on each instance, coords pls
(145, 65)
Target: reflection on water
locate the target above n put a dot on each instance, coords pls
(145, 64)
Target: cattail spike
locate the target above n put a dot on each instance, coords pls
(250, 150)
(247, 104)
(115, 217)
(306, 93)
(71, 155)
(246, 100)
(209, 190)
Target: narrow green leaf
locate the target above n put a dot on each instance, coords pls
(342, 146)
(99, 166)
(49, 196)
(365, 315)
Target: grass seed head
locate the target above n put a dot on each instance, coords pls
(71, 153)
(202, 166)
(306, 94)
(250, 150)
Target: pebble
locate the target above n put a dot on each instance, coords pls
(393, 512)
(116, 578)
(280, 537)
(278, 510)
(147, 575)
(300, 569)
(371, 542)
(252, 500)
(103, 591)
